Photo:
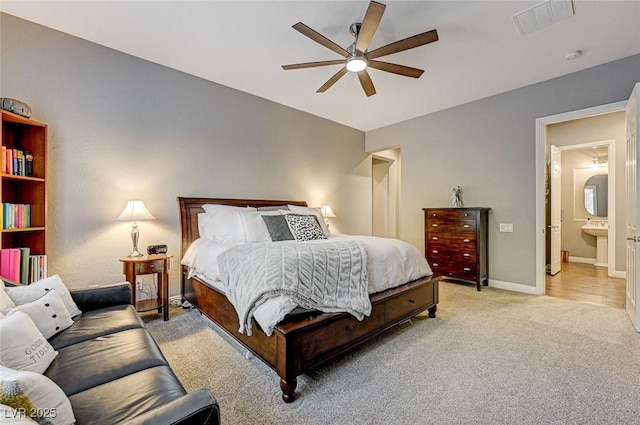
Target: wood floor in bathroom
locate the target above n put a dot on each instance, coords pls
(588, 284)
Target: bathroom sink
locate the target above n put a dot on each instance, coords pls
(593, 230)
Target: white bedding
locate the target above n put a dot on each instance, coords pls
(391, 263)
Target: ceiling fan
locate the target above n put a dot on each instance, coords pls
(357, 58)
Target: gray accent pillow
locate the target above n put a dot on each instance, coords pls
(304, 227)
(274, 208)
(278, 228)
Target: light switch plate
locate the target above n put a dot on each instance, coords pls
(506, 227)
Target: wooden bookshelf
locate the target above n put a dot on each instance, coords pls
(27, 135)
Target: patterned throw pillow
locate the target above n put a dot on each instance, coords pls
(304, 227)
(35, 396)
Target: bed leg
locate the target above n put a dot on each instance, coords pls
(288, 389)
(432, 311)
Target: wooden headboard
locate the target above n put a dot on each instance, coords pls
(191, 207)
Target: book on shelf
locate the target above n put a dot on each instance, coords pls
(10, 263)
(28, 163)
(17, 162)
(19, 265)
(16, 216)
(37, 267)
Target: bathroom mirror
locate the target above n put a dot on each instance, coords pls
(596, 194)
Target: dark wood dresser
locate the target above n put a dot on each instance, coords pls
(456, 243)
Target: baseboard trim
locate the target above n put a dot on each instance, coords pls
(516, 287)
(582, 260)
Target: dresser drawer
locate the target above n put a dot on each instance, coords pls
(451, 214)
(466, 271)
(453, 227)
(448, 253)
(150, 267)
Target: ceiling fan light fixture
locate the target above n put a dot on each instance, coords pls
(356, 64)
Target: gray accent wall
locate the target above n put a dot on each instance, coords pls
(123, 128)
(488, 148)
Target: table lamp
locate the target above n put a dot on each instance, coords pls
(327, 213)
(134, 211)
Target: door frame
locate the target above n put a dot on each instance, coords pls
(541, 154)
(393, 157)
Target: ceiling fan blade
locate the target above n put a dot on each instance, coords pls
(332, 80)
(320, 39)
(367, 84)
(369, 25)
(394, 68)
(313, 64)
(405, 44)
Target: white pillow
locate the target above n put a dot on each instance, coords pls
(11, 416)
(22, 345)
(41, 399)
(27, 293)
(311, 211)
(5, 300)
(223, 223)
(254, 227)
(48, 313)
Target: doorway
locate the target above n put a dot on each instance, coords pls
(542, 182)
(582, 170)
(385, 189)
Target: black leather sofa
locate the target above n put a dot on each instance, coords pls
(113, 371)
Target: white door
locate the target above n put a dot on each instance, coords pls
(633, 210)
(555, 227)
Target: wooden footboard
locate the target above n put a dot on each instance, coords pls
(301, 343)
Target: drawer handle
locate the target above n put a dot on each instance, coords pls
(467, 269)
(466, 214)
(434, 238)
(348, 328)
(434, 225)
(412, 301)
(465, 226)
(436, 265)
(466, 240)
(435, 251)
(151, 266)
(466, 255)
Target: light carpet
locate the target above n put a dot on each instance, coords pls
(490, 357)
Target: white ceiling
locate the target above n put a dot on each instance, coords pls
(242, 44)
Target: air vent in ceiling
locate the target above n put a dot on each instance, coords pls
(543, 14)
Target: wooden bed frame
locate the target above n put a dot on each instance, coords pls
(300, 343)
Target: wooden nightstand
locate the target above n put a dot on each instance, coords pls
(151, 264)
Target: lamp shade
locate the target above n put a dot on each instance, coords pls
(327, 212)
(134, 211)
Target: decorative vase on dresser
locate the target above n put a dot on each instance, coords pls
(456, 243)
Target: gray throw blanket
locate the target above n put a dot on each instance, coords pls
(326, 276)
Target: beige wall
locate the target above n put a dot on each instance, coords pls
(122, 128)
(588, 130)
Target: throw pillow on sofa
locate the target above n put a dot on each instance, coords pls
(22, 345)
(36, 395)
(5, 299)
(11, 416)
(26, 294)
(48, 312)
